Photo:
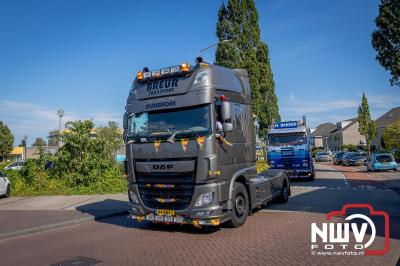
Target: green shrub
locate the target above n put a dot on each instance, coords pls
(261, 166)
(83, 165)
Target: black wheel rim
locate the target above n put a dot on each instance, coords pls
(240, 205)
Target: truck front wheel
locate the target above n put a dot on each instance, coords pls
(284, 196)
(240, 205)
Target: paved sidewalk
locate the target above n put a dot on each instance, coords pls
(26, 215)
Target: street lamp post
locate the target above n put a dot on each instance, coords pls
(212, 45)
(25, 138)
(60, 114)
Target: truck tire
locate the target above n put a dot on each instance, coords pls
(284, 196)
(312, 176)
(241, 205)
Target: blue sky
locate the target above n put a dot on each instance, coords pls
(83, 55)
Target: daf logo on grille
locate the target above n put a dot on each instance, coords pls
(163, 166)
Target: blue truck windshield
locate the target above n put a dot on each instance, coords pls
(164, 123)
(287, 139)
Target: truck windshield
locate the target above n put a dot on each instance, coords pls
(161, 124)
(287, 139)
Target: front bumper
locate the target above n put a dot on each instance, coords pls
(299, 173)
(356, 163)
(213, 214)
(384, 167)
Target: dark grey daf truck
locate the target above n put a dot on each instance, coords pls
(190, 148)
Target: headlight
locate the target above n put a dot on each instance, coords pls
(204, 199)
(200, 77)
(133, 197)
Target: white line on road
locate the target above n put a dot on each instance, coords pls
(341, 188)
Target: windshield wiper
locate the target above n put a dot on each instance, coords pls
(171, 139)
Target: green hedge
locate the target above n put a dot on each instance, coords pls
(43, 183)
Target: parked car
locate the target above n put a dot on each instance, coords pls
(352, 158)
(364, 156)
(49, 165)
(338, 157)
(5, 185)
(17, 165)
(381, 161)
(323, 156)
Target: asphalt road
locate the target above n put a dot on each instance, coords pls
(277, 234)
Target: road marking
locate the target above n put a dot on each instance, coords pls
(362, 187)
(346, 182)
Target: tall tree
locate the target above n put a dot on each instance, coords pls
(83, 158)
(366, 126)
(6, 140)
(238, 21)
(391, 135)
(386, 38)
(39, 142)
(22, 144)
(112, 134)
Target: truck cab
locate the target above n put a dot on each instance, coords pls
(290, 148)
(190, 147)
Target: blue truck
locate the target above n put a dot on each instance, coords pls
(290, 148)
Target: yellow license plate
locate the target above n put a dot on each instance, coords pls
(166, 212)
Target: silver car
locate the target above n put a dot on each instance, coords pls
(5, 185)
(323, 156)
(15, 165)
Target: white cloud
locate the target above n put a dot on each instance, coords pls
(383, 101)
(298, 106)
(33, 120)
(334, 110)
(303, 106)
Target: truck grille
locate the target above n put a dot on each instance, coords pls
(171, 191)
(287, 155)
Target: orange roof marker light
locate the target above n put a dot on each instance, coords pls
(139, 75)
(185, 67)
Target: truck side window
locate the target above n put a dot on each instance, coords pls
(240, 123)
(218, 112)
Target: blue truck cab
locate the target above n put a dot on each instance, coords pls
(290, 148)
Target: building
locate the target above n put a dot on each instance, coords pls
(321, 135)
(33, 152)
(381, 123)
(346, 132)
(54, 135)
(16, 154)
(53, 138)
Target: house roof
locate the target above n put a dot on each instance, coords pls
(17, 151)
(351, 122)
(388, 118)
(348, 123)
(323, 129)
